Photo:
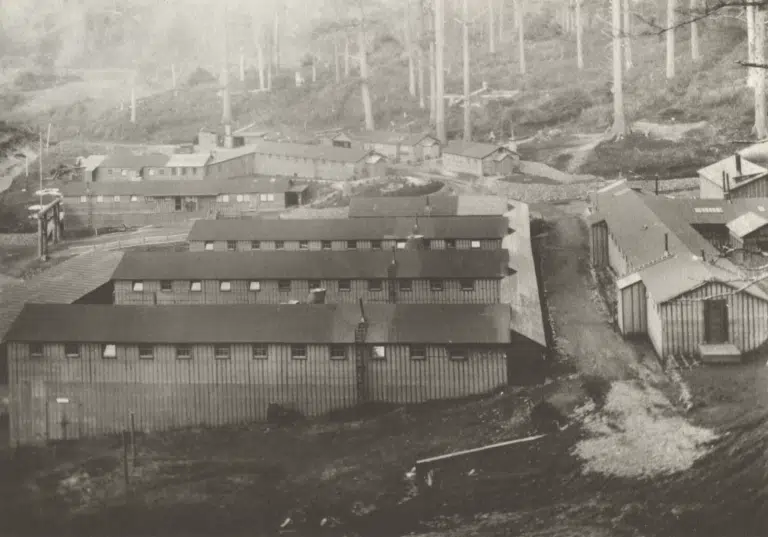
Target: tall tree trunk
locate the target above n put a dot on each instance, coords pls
(695, 54)
(336, 59)
(671, 39)
(432, 85)
(420, 54)
(465, 39)
(502, 12)
(761, 129)
(276, 41)
(173, 76)
(409, 50)
(364, 89)
(346, 55)
(579, 45)
(133, 101)
(619, 120)
(519, 4)
(314, 68)
(751, 71)
(626, 32)
(491, 29)
(515, 11)
(440, 69)
(242, 65)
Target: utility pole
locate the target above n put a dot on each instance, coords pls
(440, 68)
(467, 107)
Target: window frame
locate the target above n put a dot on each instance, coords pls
(297, 356)
(326, 245)
(137, 286)
(458, 354)
(218, 353)
(450, 244)
(255, 245)
(279, 245)
(336, 355)
(400, 244)
(83, 199)
(72, 355)
(351, 245)
(346, 288)
(281, 286)
(192, 286)
(99, 199)
(32, 350)
(303, 245)
(231, 246)
(376, 245)
(414, 356)
(375, 352)
(467, 284)
(183, 355)
(311, 284)
(474, 244)
(405, 285)
(206, 245)
(252, 284)
(145, 355)
(255, 346)
(375, 285)
(225, 286)
(106, 347)
(116, 198)
(166, 286)
(436, 285)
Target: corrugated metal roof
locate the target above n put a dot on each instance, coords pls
(313, 152)
(188, 160)
(129, 160)
(746, 224)
(311, 265)
(481, 205)
(64, 283)
(363, 207)
(257, 323)
(472, 149)
(181, 187)
(488, 227)
(626, 281)
(736, 180)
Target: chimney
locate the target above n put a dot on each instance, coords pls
(738, 164)
(666, 243)
(228, 139)
(657, 185)
(703, 255)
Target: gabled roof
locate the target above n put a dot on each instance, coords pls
(749, 172)
(311, 265)
(182, 187)
(188, 160)
(746, 224)
(313, 152)
(433, 205)
(129, 160)
(464, 324)
(348, 229)
(91, 162)
(472, 149)
(386, 137)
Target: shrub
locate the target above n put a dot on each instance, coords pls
(199, 77)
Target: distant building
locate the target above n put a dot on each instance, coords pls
(87, 166)
(479, 159)
(732, 178)
(124, 165)
(248, 135)
(182, 166)
(397, 147)
(434, 205)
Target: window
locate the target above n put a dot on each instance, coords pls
(345, 285)
(99, 199)
(374, 285)
(151, 171)
(231, 246)
(225, 286)
(284, 285)
(467, 285)
(338, 352)
(116, 198)
(72, 350)
(259, 351)
(162, 171)
(314, 284)
(400, 245)
(255, 245)
(375, 245)
(303, 245)
(427, 244)
(378, 352)
(351, 245)
(196, 286)
(137, 286)
(262, 197)
(109, 171)
(239, 198)
(208, 246)
(109, 351)
(254, 285)
(405, 285)
(222, 352)
(146, 352)
(326, 245)
(183, 171)
(246, 197)
(475, 245)
(36, 350)
(270, 197)
(183, 352)
(450, 244)
(225, 198)
(134, 198)
(83, 199)
(418, 352)
(435, 285)
(279, 245)
(166, 286)
(124, 172)
(299, 352)
(457, 353)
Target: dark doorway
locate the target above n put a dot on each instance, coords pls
(716, 321)
(291, 199)
(177, 203)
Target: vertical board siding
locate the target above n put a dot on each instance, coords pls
(616, 259)
(755, 189)
(655, 326)
(164, 392)
(599, 244)
(386, 244)
(632, 309)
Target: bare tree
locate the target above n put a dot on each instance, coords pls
(671, 39)
(276, 39)
(440, 70)
(409, 50)
(346, 56)
(420, 53)
(695, 54)
(761, 129)
(749, 12)
(502, 12)
(626, 32)
(363, 58)
(465, 39)
(260, 55)
(579, 28)
(619, 128)
(520, 12)
(491, 30)
(336, 59)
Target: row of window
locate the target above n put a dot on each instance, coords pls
(160, 171)
(232, 246)
(196, 286)
(258, 352)
(224, 198)
(221, 198)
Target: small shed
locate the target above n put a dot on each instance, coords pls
(479, 159)
(749, 237)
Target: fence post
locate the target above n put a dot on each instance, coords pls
(126, 477)
(133, 438)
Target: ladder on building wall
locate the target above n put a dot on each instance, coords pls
(361, 333)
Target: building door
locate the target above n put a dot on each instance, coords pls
(177, 203)
(716, 321)
(63, 422)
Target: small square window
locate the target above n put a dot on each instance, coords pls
(246, 197)
(36, 350)
(351, 245)
(418, 352)
(239, 198)
(262, 197)
(303, 245)
(146, 352)
(109, 171)
(208, 246)
(259, 351)
(116, 198)
(183, 352)
(435, 285)
(400, 245)
(326, 245)
(458, 354)
(99, 199)
(374, 285)
(134, 198)
(270, 197)
(338, 352)
(315, 284)
(375, 245)
(475, 245)
(255, 245)
(196, 286)
(83, 199)
(279, 245)
(72, 350)
(222, 352)
(151, 172)
(225, 286)
(225, 198)
(254, 285)
(124, 172)
(405, 285)
(379, 352)
(284, 285)
(450, 244)
(345, 285)
(467, 285)
(231, 246)
(166, 286)
(109, 351)
(299, 352)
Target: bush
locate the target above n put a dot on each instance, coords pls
(199, 77)
(32, 81)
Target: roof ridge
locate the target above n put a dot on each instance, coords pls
(664, 257)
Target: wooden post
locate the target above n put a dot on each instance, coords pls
(126, 476)
(48, 138)
(133, 438)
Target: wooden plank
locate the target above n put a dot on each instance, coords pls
(448, 456)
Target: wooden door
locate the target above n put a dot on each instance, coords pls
(716, 321)
(63, 423)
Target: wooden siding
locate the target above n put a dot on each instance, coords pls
(654, 325)
(616, 259)
(755, 189)
(631, 306)
(485, 292)
(683, 321)
(458, 163)
(165, 392)
(598, 234)
(386, 244)
(258, 164)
